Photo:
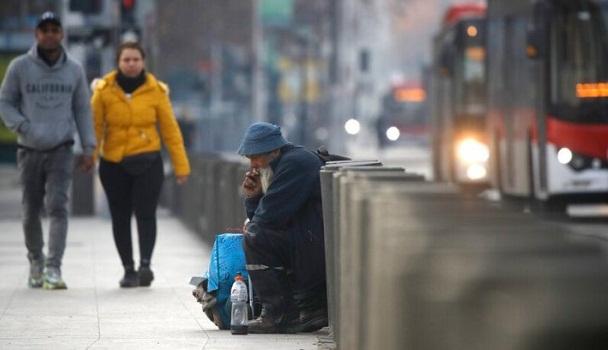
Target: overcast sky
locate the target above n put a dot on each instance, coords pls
(419, 25)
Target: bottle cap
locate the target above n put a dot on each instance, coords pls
(238, 277)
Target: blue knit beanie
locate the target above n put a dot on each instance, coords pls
(261, 138)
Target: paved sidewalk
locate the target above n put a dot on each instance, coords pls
(10, 192)
(94, 313)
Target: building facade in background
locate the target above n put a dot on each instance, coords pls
(307, 65)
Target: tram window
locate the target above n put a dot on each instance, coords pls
(579, 54)
(469, 61)
(522, 86)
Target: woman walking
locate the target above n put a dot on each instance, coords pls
(132, 112)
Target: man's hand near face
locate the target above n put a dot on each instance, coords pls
(252, 184)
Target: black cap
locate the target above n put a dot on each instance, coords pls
(48, 17)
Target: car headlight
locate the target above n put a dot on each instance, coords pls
(352, 126)
(393, 133)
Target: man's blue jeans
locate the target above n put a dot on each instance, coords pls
(45, 175)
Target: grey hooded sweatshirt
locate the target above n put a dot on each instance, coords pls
(45, 105)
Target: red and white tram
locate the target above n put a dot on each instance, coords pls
(547, 102)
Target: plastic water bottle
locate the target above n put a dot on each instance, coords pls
(240, 310)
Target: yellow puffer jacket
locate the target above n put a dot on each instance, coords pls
(126, 126)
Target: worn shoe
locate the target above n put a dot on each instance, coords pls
(263, 325)
(129, 280)
(313, 320)
(145, 276)
(36, 271)
(52, 279)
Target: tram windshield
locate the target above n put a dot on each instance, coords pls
(579, 64)
(470, 93)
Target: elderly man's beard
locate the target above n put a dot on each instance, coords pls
(265, 178)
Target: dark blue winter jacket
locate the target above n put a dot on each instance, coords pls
(292, 203)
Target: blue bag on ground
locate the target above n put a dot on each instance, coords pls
(227, 258)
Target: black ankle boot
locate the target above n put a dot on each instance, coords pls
(265, 325)
(313, 320)
(145, 276)
(130, 278)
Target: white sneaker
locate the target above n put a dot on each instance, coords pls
(53, 280)
(36, 273)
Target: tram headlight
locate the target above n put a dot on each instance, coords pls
(393, 133)
(564, 155)
(576, 161)
(472, 151)
(476, 172)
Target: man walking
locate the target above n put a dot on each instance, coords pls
(45, 99)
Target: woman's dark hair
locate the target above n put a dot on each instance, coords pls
(129, 45)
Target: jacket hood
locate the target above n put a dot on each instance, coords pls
(33, 53)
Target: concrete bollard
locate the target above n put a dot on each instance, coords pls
(443, 271)
(329, 222)
(353, 234)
